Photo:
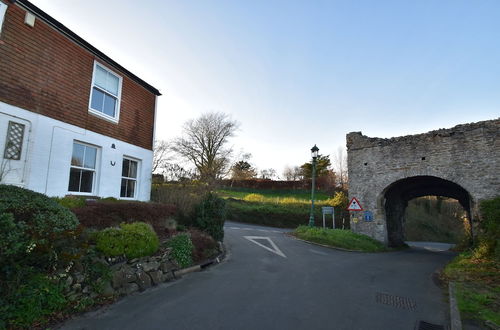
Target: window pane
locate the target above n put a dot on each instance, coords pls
(74, 179)
(100, 77)
(77, 156)
(125, 167)
(109, 105)
(123, 190)
(90, 155)
(97, 99)
(133, 170)
(112, 84)
(86, 182)
(130, 188)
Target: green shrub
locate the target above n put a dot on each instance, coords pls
(182, 249)
(70, 202)
(210, 216)
(490, 228)
(133, 240)
(32, 229)
(31, 301)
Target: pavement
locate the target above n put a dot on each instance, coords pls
(272, 281)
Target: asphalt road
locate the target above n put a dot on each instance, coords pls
(277, 282)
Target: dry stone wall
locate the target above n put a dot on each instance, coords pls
(467, 155)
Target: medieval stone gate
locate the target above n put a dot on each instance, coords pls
(462, 162)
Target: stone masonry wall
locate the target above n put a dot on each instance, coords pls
(468, 155)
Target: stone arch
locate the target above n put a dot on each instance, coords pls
(397, 195)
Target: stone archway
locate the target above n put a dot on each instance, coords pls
(398, 194)
(384, 174)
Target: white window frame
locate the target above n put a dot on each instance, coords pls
(98, 113)
(94, 176)
(136, 179)
(3, 9)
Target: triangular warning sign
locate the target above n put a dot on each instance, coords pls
(354, 205)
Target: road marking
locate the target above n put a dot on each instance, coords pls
(234, 228)
(275, 249)
(318, 252)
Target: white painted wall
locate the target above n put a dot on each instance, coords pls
(47, 148)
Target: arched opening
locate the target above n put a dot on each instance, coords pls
(398, 194)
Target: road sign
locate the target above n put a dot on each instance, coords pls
(328, 210)
(368, 216)
(354, 205)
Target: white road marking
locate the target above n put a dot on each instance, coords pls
(275, 249)
(318, 252)
(234, 228)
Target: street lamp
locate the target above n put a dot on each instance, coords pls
(314, 154)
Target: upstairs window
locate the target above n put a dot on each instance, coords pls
(82, 171)
(3, 8)
(105, 94)
(129, 178)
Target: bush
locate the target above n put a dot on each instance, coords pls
(204, 245)
(70, 202)
(254, 198)
(30, 302)
(490, 228)
(133, 240)
(182, 249)
(32, 228)
(104, 214)
(210, 216)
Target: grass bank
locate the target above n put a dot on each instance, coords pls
(338, 238)
(285, 209)
(477, 286)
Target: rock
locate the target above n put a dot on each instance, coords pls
(165, 277)
(149, 266)
(76, 287)
(129, 288)
(79, 278)
(143, 280)
(69, 281)
(107, 290)
(167, 266)
(125, 275)
(78, 267)
(156, 277)
(86, 289)
(133, 261)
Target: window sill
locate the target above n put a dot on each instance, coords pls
(103, 116)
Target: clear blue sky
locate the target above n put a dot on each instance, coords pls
(296, 73)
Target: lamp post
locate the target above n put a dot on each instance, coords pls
(314, 154)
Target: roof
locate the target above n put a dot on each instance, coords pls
(81, 42)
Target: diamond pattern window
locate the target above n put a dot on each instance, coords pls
(14, 141)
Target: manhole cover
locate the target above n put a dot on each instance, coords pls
(395, 301)
(422, 325)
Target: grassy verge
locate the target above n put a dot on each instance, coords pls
(477, 286)
(269, 214)
(339, 238)
(271, 195)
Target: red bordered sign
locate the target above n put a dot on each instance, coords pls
(354, 205)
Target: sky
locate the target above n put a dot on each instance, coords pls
(299, 73)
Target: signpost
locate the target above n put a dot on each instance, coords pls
(328, 210)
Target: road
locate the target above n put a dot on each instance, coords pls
(272, 281)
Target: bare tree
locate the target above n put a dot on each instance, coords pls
(292, 173)
(161, 155)
(4, 168)
(269, 174)
(340, 166)
(203, 144)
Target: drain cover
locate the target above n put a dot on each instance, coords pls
(422, 325)
(395, 301)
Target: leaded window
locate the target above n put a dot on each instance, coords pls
(14, 141)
